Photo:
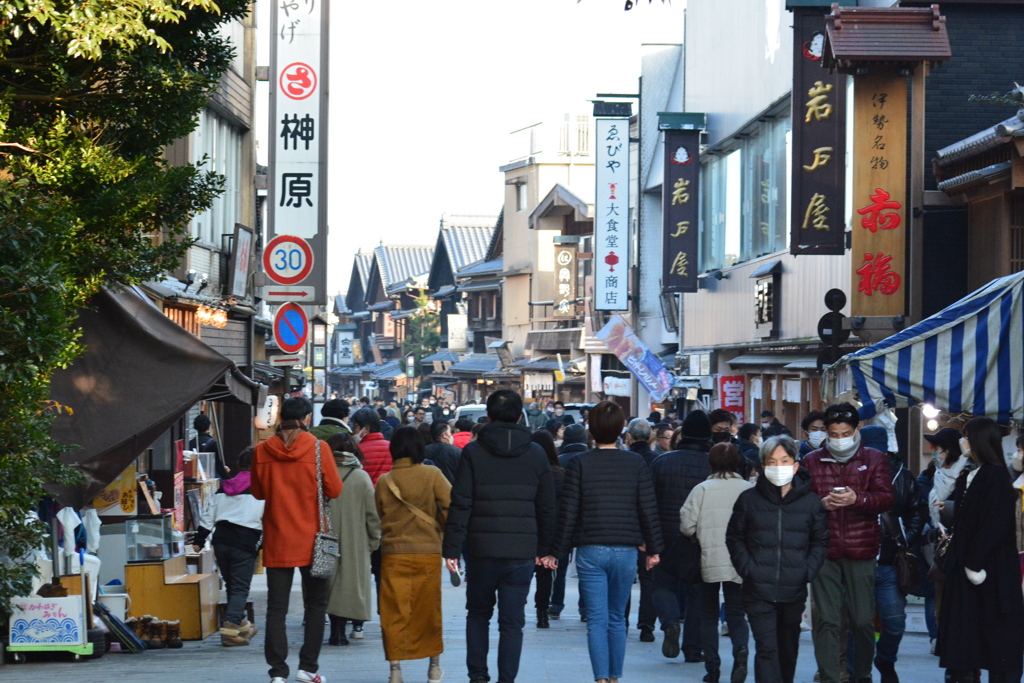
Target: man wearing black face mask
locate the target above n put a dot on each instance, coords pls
(723, 430)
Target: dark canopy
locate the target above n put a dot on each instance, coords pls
(140, 373)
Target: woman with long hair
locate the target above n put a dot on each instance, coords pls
(982, 614)
(545, 576)
(412, 502)
(608, 512)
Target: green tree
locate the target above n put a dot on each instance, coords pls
(91, 91)
(423, 330)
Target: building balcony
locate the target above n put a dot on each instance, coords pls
(484, 324)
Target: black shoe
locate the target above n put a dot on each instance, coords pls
(553, 615)
(646, 635)
(542, 619)
(670, 645)
(888, 671)
(712, 676)
(739, 665)
(583, 617)
(694, 656)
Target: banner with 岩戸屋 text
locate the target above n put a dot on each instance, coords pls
(297, 175)
(648, 369)
(680, 192)
(611, 215)
(565, 281)
(818, 224)
(878, 242)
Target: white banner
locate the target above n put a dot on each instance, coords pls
(343, 354)
(295, 199)
(617, 386)
(458, 332)
(611, 216)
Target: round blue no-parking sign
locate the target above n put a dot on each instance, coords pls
(291, 328)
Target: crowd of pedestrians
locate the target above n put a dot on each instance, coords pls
(725, 526)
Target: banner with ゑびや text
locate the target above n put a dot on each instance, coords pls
(648, 369)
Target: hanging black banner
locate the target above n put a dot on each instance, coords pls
(819, 142)
(680, 197)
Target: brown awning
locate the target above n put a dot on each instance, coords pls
(858, 36)
(140, 373)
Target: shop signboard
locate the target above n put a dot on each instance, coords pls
(297, 180)
(878, 243)
(732, 395)
(458, 332)
(818, 223)
(611, 215)
(617, 386)
(344, 351)
(680, 201)
(566, 275)
(648, 369)
(47, 621)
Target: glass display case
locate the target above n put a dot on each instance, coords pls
(152, 538)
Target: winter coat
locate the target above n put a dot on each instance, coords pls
(536, 417)
(423, 487)
(943, 485)
(854, 530)
(676, 473)
(569, 451)
(445, 458)
(706, 513)
(355, 522)
(608, 499)
(284, 475)
(752, 453)
(233, 515)
(981, 625)
(776, 544)
(908, 507)
(376, 455)
(460, 439)
(328, 427)
(503, 500)
(643, 449)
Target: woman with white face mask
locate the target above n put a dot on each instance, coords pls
(949, 463)
(777, 540)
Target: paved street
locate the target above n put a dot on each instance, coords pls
(558, 654)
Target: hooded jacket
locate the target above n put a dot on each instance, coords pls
(854, 530)
(284, 475)
(233, 515)
(328, 427)
(503, 500)
(376, 455)
(778, 545)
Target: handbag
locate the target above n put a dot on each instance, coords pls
(325, 545)
(415, 510)
(908, 574)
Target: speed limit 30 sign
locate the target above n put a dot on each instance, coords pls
(288, 260)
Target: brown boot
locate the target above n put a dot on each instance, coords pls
(142, 627)
(157, 635)
(231, 635)
(174, 634)
(132, 623)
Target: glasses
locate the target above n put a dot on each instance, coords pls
(842, 414)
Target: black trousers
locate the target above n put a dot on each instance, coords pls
(545, 581)
(236, 567)
(279, 589)
(647, 615)
(505, 583)
(776, 628)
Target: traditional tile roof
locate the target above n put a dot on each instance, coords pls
(399, 262)
(362, 264)
(477, 364)
(856, 35)
(466, 238)
(483, 268)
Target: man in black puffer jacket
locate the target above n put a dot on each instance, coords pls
(503, 507)
(778, 541)
(676, 473)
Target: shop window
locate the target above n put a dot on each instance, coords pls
(221, 144)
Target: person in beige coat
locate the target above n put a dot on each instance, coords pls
(706, 513)
(355, 521)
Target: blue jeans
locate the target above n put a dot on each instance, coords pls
(558, 585)
(507, 583)
(606, 576)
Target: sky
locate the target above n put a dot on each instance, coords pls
(424, 94)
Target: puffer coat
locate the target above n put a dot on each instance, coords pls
(777, 544)
(706, 513)
(676, 473)
(854, 530)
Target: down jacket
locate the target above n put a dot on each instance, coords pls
(706, 513)
(503, 500)
(676, 473)
(376, 455)
(854, 530)
(608, 499)
(777, 544)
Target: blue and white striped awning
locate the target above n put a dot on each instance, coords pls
(967, 358)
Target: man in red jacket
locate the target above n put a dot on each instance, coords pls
(376, 449)
(855, 487)
(284, 475)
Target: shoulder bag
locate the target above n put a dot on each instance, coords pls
(325, 545)
(908, 574)
(412, 508)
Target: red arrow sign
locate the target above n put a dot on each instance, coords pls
(293, 295)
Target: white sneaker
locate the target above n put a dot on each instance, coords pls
(724, 629)
(357, 632)
(278, 679)
(306, 677)
(932, 646)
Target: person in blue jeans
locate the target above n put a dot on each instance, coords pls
(608, 512)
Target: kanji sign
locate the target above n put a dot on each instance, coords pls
(291, 328)
(680, 211)
(288, 260)
(565, 273)
(818, 224)
(732, 395)
(297, 177)
(611, 216)
(879, 194)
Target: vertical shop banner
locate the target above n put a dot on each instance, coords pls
(648, 369)
(680, 194)
(297, 182)
(565, 281)
(732, 395)
(879, 215)
(345, 354)
(818, 224)
(611, 216)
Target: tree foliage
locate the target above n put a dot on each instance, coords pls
(91, 91)
(423, 330)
